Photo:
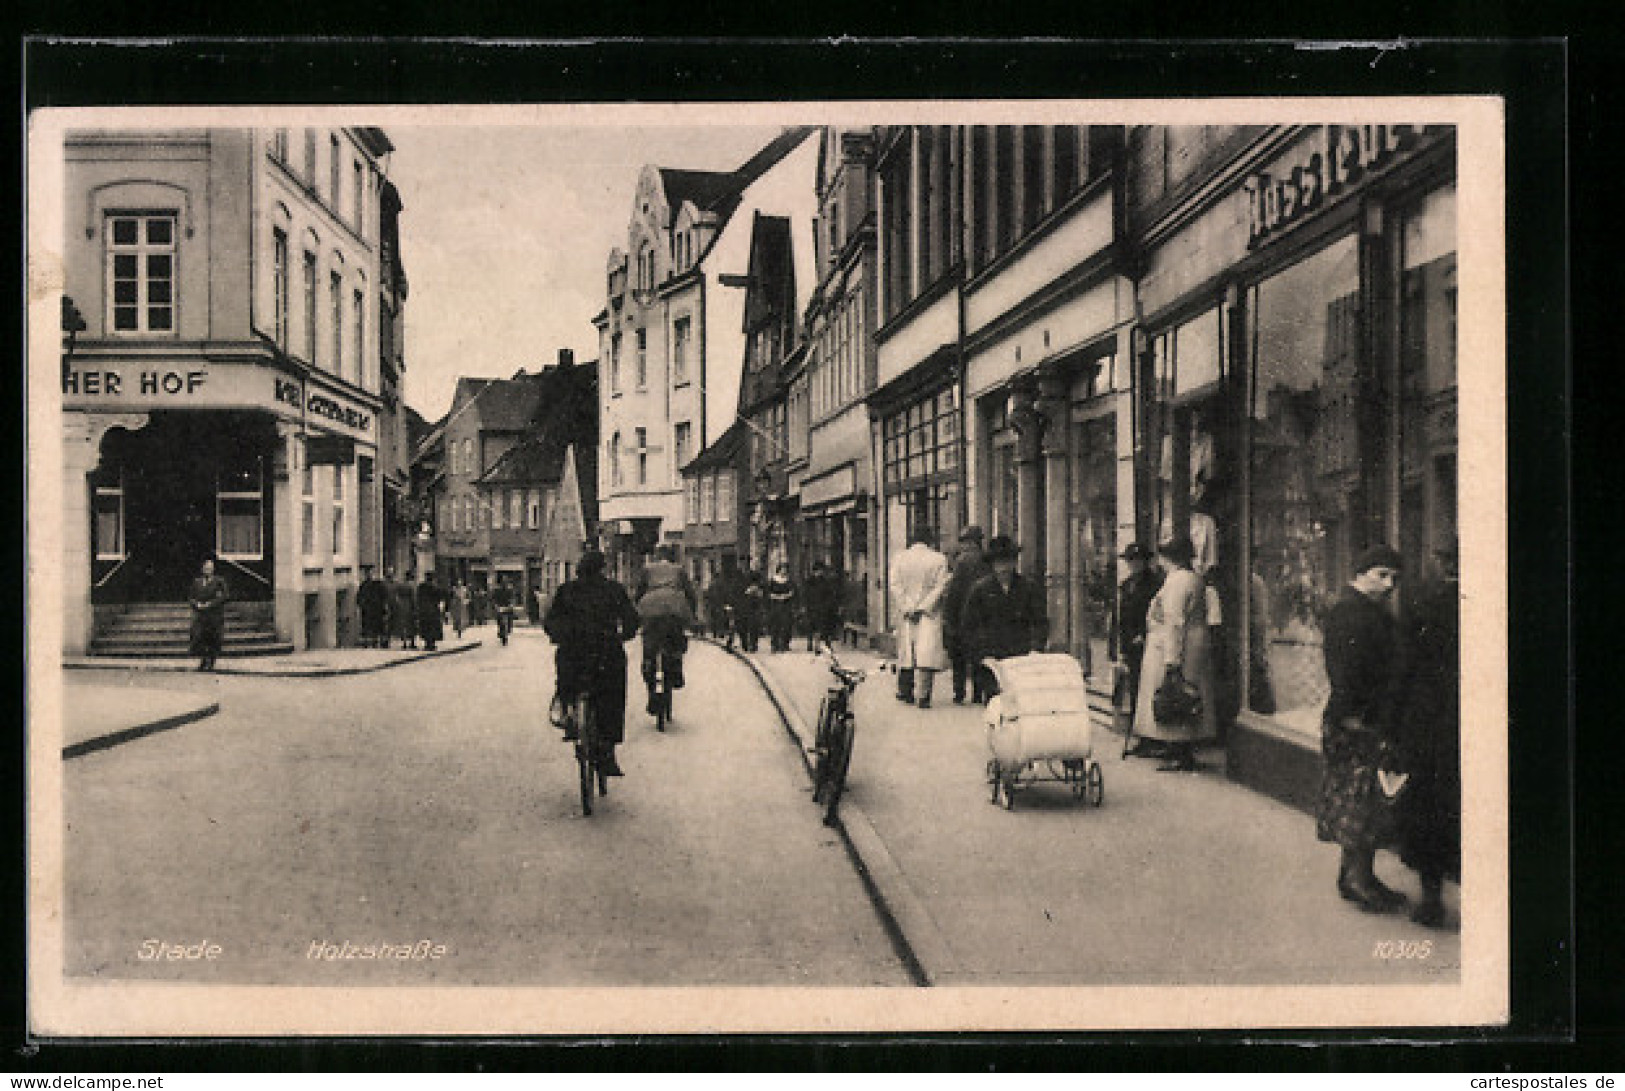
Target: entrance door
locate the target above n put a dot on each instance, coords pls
(169, 501)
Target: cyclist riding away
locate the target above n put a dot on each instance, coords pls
(667, 604)
(502, 601)
(589, 621)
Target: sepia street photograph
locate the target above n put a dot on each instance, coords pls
(793, 566)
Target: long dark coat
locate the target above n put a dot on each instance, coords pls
(1000, 623)
(431, 601)
(1361, 643)
(403, 611)
(1427, 729)
(372, 599)
(589, 622)
(970, 568)
(208, 599)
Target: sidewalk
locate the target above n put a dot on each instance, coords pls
(95, 717)
(324, 663)
(1178, 879)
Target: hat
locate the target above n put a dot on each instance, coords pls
(971, 533)
(1179, 550)
(1377, 556)
(1001, 548)
(1136, 552)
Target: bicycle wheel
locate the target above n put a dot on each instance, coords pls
(662, 702)
(840, 762)
(821, 747)
(586, 762)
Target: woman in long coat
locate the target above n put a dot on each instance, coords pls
(1177, 638)
(208, 596)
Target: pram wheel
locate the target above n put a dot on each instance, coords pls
(1095, 784)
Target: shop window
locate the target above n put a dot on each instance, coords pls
(1427, 387)
(1093, 532)
(1305, 473)
(108, 525)
(239, 513)
(141, 273)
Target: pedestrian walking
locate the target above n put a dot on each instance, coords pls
(825, 589)
(480, 605)
(1428, 726)
(1176, 652)
(1361, 645)
(717, 594)
(430, 603)
(781, 599)
(589, 621)
(459, 608)
(372, 600)
(1004, 615)
(207, 596)
(1134, 597)
(970, 567)
(748, 610)
(403, 611)
(919, 579)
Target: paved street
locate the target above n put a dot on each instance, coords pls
(432, 803)
(1178, 878)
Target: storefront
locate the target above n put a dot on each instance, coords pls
(1298, 404)
(265, 471)
(835, 532)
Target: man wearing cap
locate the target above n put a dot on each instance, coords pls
(1134, 597)
(1004, 614)
(919, 578)
(969, 569)
(1361, 645)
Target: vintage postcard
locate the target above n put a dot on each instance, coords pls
(794, 567)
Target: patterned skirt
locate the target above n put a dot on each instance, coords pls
(1352, 811)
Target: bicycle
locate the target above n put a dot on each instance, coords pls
(580, 715)
(504, 624)
(662, 695)
(832, 742)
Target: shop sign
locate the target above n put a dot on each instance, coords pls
(322, 405)
(149, 382)
(1338, 162)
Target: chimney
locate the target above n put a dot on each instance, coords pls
(567, 357)
(520, 374)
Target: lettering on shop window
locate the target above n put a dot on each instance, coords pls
(1347, 157)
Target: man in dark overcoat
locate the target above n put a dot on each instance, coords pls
(403, 611)
(207, 596)
(589, 622)
(1362, 648)
(372, 599)
(431, 606)
(970, 568)
(1004, 614)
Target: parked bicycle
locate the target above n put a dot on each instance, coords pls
(832, 742)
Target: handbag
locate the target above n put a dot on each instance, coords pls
(1177, 700)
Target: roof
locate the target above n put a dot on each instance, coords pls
(561, 408)
(721, 453)
(535, 460)
(719, 191)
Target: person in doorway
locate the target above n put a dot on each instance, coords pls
(459, 608)
(1004, 615)
(667, 603)
(748, 610)
(1134, 597)
(403, 611)
(823, 596)
(372, 600)
(207, 596)
(970, 568)
(589, 620)
(430, 604)
(919, 579)
(1176, 649)
(1362, 645)
(1428, 726)
(781, 605)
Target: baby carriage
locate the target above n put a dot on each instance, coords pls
(1038, 728)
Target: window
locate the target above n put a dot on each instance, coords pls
(708, 499)
(643, 456)
(310, 158)
(1006, 181)
(335, 293)
(535, 521)
(691, 500)
(239, 497)
(1033, 196)
(485, 511)
(358, 196)
(358, 310)
(141, 272)
(1065, 161)
(897, 238)
(109, 515)
(643, 359)
(339, 544)
(516, 509)
(307, 522)
(309, 281)
(679, 350)
(615, 364)
(922, 440)
(279, 145)
(615, 460)
(497, 508)
(334, 169)
(279, 285)
(725, 496)
(468, 457)
(684, 439)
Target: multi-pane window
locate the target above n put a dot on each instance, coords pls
(643, 456)
(309, 282)
(679, 350)
(338, 510)
(335, 302)
(615, 460)
(643, 359)
(923, 440)
(494, 499)
(358, 313)
(141, 272)
(334, 168)
(615, 364)
(109, 525)
(897, 229)
(684, 433)
(358, 195)
(725, 496)
(239, 497)
(279, 285)
(468, 457)
(516, 509)
(310, 158)
(708, 499)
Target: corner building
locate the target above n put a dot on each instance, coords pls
(223, 396)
